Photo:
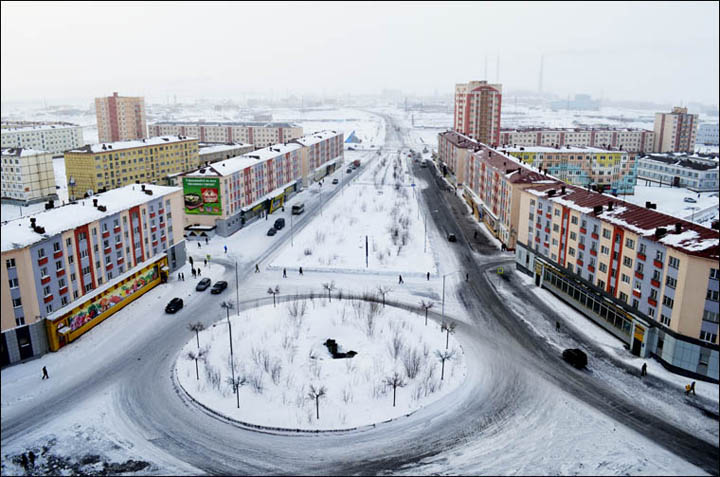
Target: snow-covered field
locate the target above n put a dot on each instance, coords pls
(670, 200)
(382, 205)
(280, 354)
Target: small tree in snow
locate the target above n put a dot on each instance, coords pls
(426, 305)
(449, 328)
(329, 287)
(197, 327)
(236, 382)
(396, 381)
(316, 393)
(197, 355)
(444, 356)
(274, 292)
(383, 290)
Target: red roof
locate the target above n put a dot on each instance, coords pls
(460, 140)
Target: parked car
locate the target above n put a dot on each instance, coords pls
(349, 170)
(575, 357)
(174, 305)
(279, 223)
(298, 209)
(272, 231)
(452, 238)
(690, 199)
(203, 284)
(335, 181)
(218, 287)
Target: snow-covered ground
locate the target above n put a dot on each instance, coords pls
(670, 200)
(280, 353)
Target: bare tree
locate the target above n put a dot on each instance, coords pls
(316, 393)
(450, 328)
(396, 381)
(426, 305)
(197, 355)
(396, 345)
(412, 360)
(274, 292)
(236, 382)
(444, 356)
(383, 290)
(197, 327)
(329, 287)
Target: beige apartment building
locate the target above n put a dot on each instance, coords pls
(97, 167)
(675, 131)
(627, 139)
(27, 176)
(120, 118)
(259, 134)
(477, 111)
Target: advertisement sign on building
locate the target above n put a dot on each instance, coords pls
(202, 196)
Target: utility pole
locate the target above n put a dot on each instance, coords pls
(237, 289)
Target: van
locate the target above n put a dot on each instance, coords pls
(298, 209)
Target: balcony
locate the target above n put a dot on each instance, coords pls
(107, 250)
(591, 269)
(641, 256)
(537, 239)
(57, 254)
(546, 245)
(63, 290)
(652, 302)
(48, 298)
(655, 283)
(580, 262)
(120, 261)
(162, 225)
(118, 245)
(658, 263)
(538, 226)
(109, 266)
(639, 275)
(581, 246)
(583, 230)
(152, 215)
(594, 235)
(637, 292)
(549, 216)
(60, 272)
(164, 237)
(161, 211)
(547, 229)
(45, 279)
(593, 252)
(539, 211)
(43, 261)
(105, 234)
(116, 229)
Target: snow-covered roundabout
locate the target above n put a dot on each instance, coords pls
(286, 373)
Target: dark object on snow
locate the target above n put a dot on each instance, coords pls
(45, 373)
(279, 223)
(557, 326)
(333, 348)
(452, 238)
(203, 284)
(174, 305)
(643, 370)
(31, 456)
(24, 461)
(218, 287)
(575, 357)
(272, 231)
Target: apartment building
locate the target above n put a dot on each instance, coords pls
(120, 118)
(453, 151)
(68, 268)
(708, 134)
(477, 111)
(675, 131)
(626, 139)
(51, 138)
(96, 167)
(259, 134)
(211, 152)
(582, 165)
(696, 173)
(224, 196)
(648, 278)
(27, 176)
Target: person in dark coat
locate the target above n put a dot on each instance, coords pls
(284, 273)
(194, 273)
(205, 262)
(475, 234)
(199, 246)
(301, 271)
(643, 370)
(400, 280)
(257, 269)
(45, 373)
(24, 461)
(198, 270)
(31, 456)
(428, 276)
(225, 248)
(191, 261)
(557, 326)
(467, 277)
(206, 240)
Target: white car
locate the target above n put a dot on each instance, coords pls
(690, 199)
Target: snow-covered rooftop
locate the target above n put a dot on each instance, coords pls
(120, 145)
(20, 152)
(549, 149)
(317, 137)
(40, 128)
(222, 147)
(596, 129)
(17, 233)
(256, 124)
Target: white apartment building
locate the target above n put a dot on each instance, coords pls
(708, 134)
(259, 134)
(27, 176)
(698, 174)
(630, 140)
(51, 138)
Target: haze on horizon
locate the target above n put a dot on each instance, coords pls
(655, 52)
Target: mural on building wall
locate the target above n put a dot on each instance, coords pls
(109, 299)
(202, 196)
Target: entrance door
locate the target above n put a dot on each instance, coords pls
(23, 339)
(638, 340)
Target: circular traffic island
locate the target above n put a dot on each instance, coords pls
(312, 364)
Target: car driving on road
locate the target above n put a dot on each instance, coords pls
(203, 284)
(575, 357)
(174, 305)
(272, 231)
(218, 287)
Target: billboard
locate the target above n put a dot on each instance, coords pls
(202, 196)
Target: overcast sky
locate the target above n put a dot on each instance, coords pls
(660, 52)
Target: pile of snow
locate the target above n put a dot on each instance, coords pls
(283, 359)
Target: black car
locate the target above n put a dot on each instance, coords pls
(203, 284)
(452, 238)
(348, 170)
(272, 231)
(174, 305)
(218, 287)
(575, 357)
(279, 223)
(335, 181)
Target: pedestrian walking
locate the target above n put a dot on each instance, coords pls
(194, 273)
(643, 370)
(690, 388)
(428, 276)
(205, 262)
(400, 280)
(301, 271)
(179, 277)
(257, 269)
(467, 277)
(557, 326)
(24, 461)
(199, 246)
(45, 373)
(225, 246)
(284, 273)
(198, 270)
(31, 457)
(183, 276)
(191, 261)
(475, 234)
(206, 240)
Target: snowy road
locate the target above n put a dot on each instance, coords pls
(520, 411)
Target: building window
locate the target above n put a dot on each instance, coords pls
(651, 312)
(623, 297)
(604, 250)
(625, 278)
(630, 243)
(627, 261)
(708, 336)
(19, 321)
(659, 256)
(653, 293)
(17, 302)
(603, 267)
(712, 295)
(606, 233)
(670, 282)
(673, 262)
(714, 273)
(56, 247)
(573, 220)
(41, 253)
(667, 301)
(10, 263)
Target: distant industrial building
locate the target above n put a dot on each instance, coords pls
(120, 118)
(259, 134)
(699, 174)
(675, 131)
(52, 138)
(27, 176)
(707, 134)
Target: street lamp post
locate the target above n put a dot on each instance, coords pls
(228, 305)
(291, 229)
(237, 289)
(443, 292)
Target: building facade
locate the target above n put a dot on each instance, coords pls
(648, 278)
(708, 134)
(120, 118)
(453, 151)
(259, 134)
(225, 196)
(96, 167)
(630, 140)
(578, 165)
(27, 176)
(477, 111)
(210, 152)
(675, 131)
(696, 173)
(67, 257)
(49, 137)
